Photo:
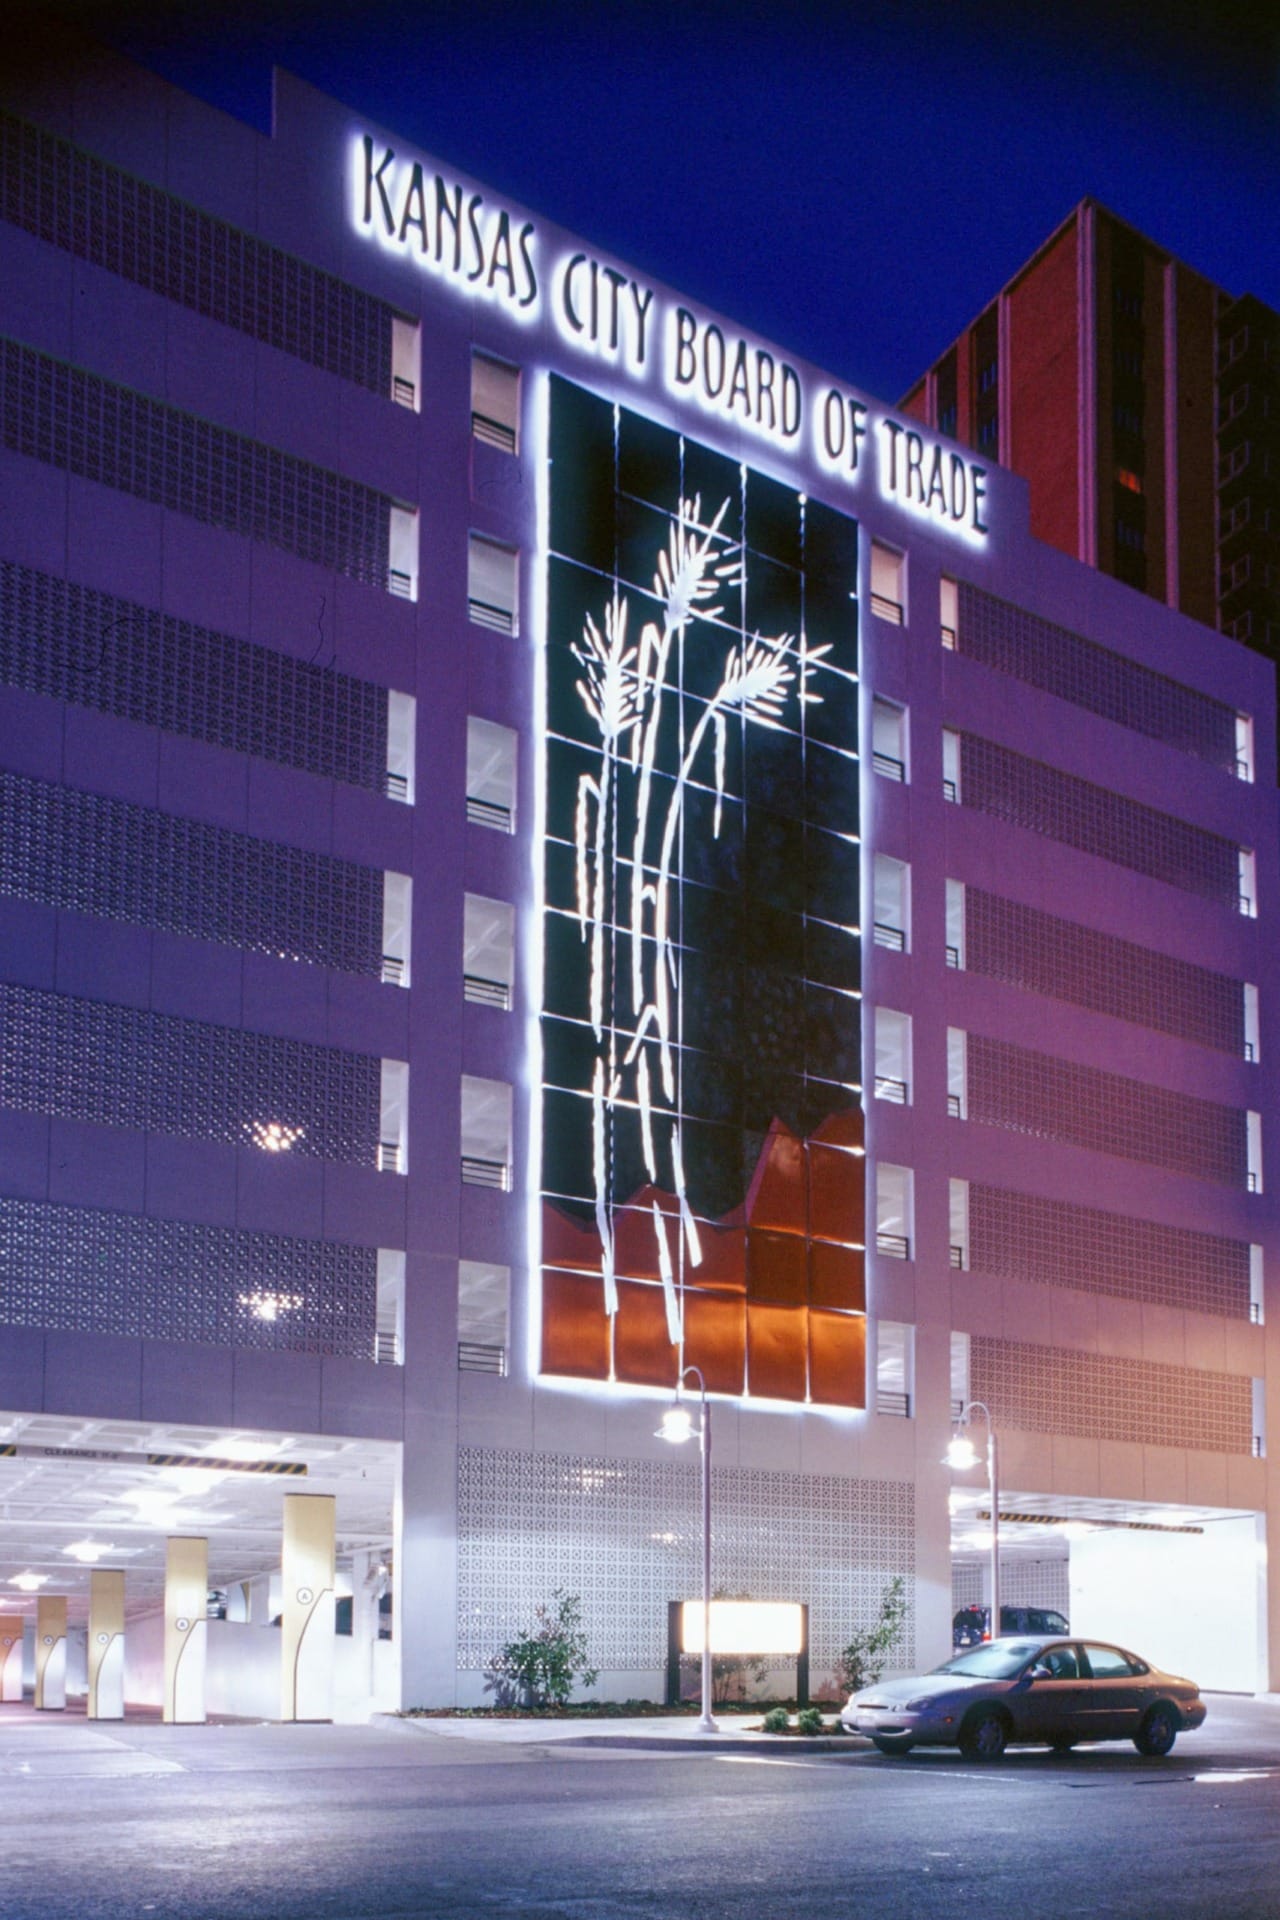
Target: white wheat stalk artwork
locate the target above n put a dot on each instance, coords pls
(624, 688)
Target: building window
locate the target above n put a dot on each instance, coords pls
(955, 923)
(1248, 869)
(402, 553)
(949, 613)
(406, 362)
(1233, 462)
(493, 584)
(402, 727)
(1252, 1042)
(486, 1133)
(895, 1356)
(888, 583)
(959, 1373)
(393, 1129)
(1256, 1285)
(495, 402)
(895, 1209)
(491, 775)
(488, 951)
(1128, 299)
(893, 1056)
(958, 1202)
(1127, 419)
(951, 765)
(397, 922)
(957, 1074)
(1244, 746)
(1236, 575)
(1253, 1134)
(989, 435)
(388, 1338)
(891, 881)
(1127, 535)
(484, 1316)
(889, 739)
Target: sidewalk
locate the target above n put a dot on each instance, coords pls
(673, 1733)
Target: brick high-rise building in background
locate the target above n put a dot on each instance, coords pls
(1139, 401)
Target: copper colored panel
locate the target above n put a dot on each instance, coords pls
(776, 1268)
(838, 1359)
(724, 1258)
(837, 1276)
(845, 1129)
(575, 1327)
(568, 1243)
(776, 1354)
(776, 1196)
(715, 1336)
(635, 1239)
(837, 1194)
(642, 1349)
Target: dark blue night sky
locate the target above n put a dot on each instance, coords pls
(853, 183)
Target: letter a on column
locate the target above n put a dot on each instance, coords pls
(51, 1652)
(10, 1656)
(186, 1629)
(306, 1579)
(106, 1645)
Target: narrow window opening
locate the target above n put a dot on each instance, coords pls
(959, 1216)
(406, 362)
(1252, 1038)
(1244, 746)
(393, 1131)
(888, 583)
(1248, 868)
(895, 1368)
(493, 584)
(1256, 1309)
(891, 881)
(1253, 1177)
(495, 402)
(959, 1374)
(488, 951)
(889, 739)
(397, 923)
(957, 1076)
(388, 1339)
(402, 728)
(951, 765)
(895, 1208)
(484, 1316)
(486, 1133)
(491, 775)
(893, 1056)
(402, 557)
(949, 610)
(955, 923)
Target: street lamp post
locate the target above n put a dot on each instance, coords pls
(676, 1427)
(962, 1453)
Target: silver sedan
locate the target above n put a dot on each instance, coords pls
(1030, 1690)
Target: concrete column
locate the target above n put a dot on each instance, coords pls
(306, 1579)
(186, 1629)
(10, 1656)
(105, 1652)
(51, 1652)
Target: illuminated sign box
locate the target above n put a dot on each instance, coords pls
(745, 1626)
(776, 1629)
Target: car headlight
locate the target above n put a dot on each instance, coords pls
(919, 1706)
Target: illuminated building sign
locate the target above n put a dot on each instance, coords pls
(486, 251)
(745, 1626)
(702, 1170)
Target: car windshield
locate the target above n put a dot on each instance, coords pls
(999, 1660)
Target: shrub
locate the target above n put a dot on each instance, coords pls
(867, 1654)
(809, 1720)
(776, 1720)
(545, 1663)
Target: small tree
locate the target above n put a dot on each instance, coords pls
(545, 1663)
(867, 1654)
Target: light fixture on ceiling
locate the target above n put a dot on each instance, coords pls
(88, 1552)
(29, 1582)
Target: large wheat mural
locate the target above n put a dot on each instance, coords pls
(623, 685)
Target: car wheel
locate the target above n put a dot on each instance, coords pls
(1157, 1733)
(890, 1746)
(984, 1735)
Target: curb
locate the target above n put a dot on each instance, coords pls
(557, 1733)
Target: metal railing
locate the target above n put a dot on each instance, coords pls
(403, 392)
(399, 583)
(396, 786)
(959, 1258)
(950, 791)
(895, 1245)
(486, 993)
(955, 1106)
(486, 1173)
(477, 1356)
(386, 1349)
(494, 433)
(884, 763)
(484, 613)
(953, 956)
(949, 639)
(389, 1156)
(887, 1088)
(886, 609)
(489, 813)
(392, 970)
(889, 1400)
(886, 936)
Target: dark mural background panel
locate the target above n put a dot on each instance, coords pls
(702, 1172)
